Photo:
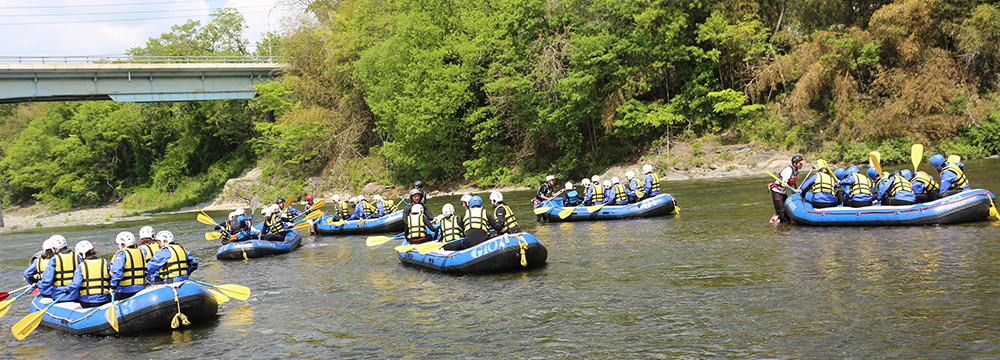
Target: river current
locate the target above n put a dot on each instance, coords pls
(713, 281)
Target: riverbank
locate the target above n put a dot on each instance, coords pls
(678, 162)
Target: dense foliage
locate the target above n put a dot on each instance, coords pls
(497, 90)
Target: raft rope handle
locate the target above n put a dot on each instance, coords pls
(71, 321)
(183, 319)
(523, 244)
(993, 207)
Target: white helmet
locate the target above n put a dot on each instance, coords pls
(49, 244)
(146, 232)
(550, 177)
(647, 168)
(125, 238)
(240, 212)
(630, 175)
(83, 247)
(496, 197)
(354, 200)
(595, 179)
(275, 209)
(361, 198)
(58, 241)
(569, 185)
(232, 215)
(416, 209)
(336, 198)
(448, 210)
(614, 180)
(607, 184)
(585, 182)
(165, 236)
(466, 198)
(377, 198)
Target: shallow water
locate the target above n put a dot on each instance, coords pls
(715, 280)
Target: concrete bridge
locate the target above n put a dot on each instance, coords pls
(132, 79)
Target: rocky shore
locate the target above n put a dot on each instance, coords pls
(676, 162)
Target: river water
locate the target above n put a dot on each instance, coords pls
(715, 280)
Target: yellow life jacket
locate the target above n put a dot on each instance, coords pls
(450, 230)
(40, 265)
(177, 265)
(930, 186)
(345, 209)
(620, 193)
(960, 180)
(369, 208)
(415, 228)
(509, 221)
(134, 269)
(96, 278)
(65, 266)
(862, 184)
(475, 218)
(151, 249)
(390, 206)
(824, 183)
(598, 195)
(655, 182)
(638, 189)
(899, 184)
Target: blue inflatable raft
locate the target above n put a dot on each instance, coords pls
(655, 206)
(242, 250)
(392, 222)
(151, 309)
(967, 206)
(513, 251)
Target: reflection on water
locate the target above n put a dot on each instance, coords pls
(717, 281)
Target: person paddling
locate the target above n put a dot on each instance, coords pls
(128, 269)
(544, 192)
(91, 283)
(506, 223)
(953, 179)
(172, 263)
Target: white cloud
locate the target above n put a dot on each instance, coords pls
(41, 27)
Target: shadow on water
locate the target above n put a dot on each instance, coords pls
(714, 280)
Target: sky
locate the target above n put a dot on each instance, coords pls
(110, 27)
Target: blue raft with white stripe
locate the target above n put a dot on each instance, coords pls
(151, 309)
(392, 222)
(255, 248)
(502, 253)
(655, 206)
(967, 206)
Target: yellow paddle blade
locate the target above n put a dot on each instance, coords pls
(318, 204)
(377, 240)
(404, 248)
(954, 158)
(822, 163)
(213, 235)
(595, 208)
(218, 295)
(542, 210)
(28, 324)
(5, 305)
(677, 209)
(112, 318)
(362, 222)
(205, 219)
(428, 248)
(916, 155)
(313, 215)
(302, 226)
(237, 291)
(567, 212)
(873, 157)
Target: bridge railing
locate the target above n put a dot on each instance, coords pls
(126, 59)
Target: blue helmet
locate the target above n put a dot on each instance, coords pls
(906, 174)
(476, 201)
(840, 173)
(852, 170)
(937, 160)
(872, 173)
